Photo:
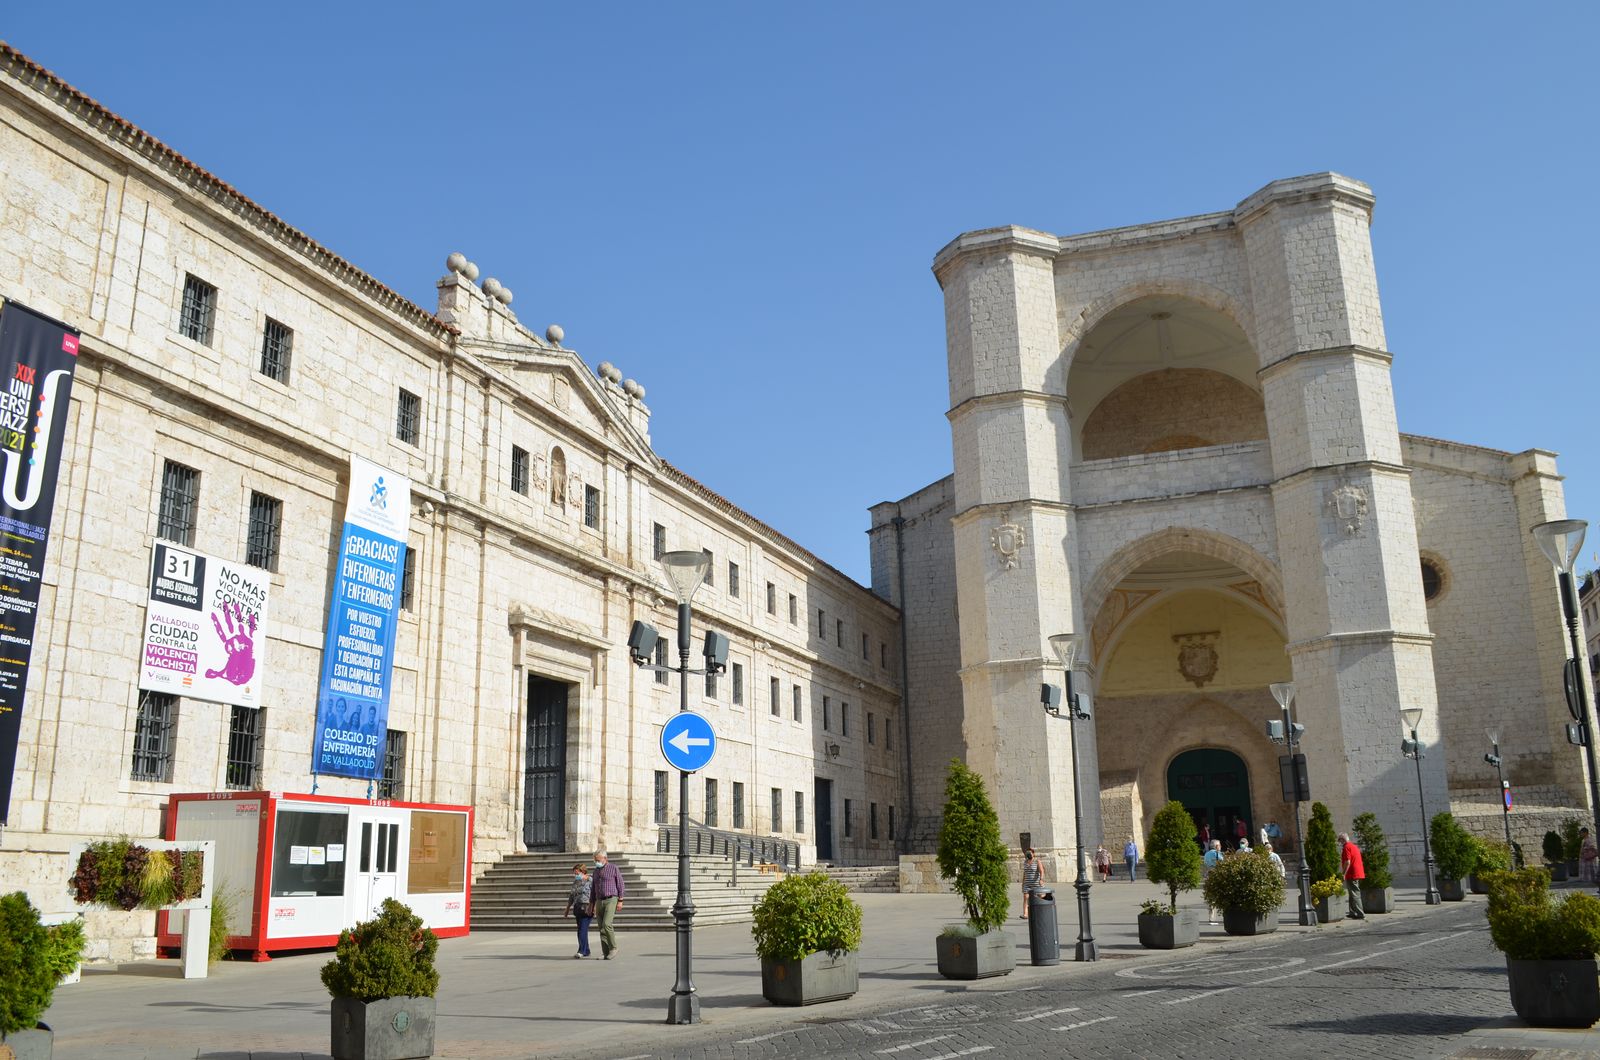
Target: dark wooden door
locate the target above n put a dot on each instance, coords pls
(823, 812)
(1214, 787)
(544, 779)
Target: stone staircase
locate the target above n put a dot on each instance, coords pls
(528, 892)
(877, 879)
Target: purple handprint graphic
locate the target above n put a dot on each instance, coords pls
(238, 639)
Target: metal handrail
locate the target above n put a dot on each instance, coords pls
(734, 846)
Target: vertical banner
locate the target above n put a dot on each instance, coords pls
(187, 655)
(37, 358)
(357, 653)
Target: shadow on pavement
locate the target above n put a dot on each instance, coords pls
(1415, 1024)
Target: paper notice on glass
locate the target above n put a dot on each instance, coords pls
(318, 856)
(335, 851)
(298, 855)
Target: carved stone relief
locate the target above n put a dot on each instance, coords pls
(1197, 656)
(1008, 540)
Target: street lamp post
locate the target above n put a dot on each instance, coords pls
(1283, 692)
(1493, 758)
(1066, 648)
(1412, 748)
(1561, 539)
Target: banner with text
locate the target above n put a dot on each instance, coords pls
(37, 359)
(187, 655)
(357, 654)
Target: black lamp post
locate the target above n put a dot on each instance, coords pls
(1066, 648)
(1283, 692)
(1493, 758)
(1412, 748)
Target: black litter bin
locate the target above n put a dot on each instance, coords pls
(1044, 944)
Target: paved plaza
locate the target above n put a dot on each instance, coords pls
(1422, 982)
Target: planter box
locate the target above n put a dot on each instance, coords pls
(1555, 993)
(815, 978)
(1377, 899)
(1239, 922)
(1558, 872)
(1572, 869)
(1169, 932)
(396, 1028)
(992, 953)
(1476, 885)
(1330, 909)
(29, 1045)
(1450, 890)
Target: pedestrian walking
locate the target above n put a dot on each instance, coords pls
(1354, 872)
(1130, 854)
(1032, 878)
(1587, 852)
(1264, 839)
(1241, 831)
(1277, 862)
(1102, 862)
(608, 892)
(580, 905)
(1213, 858)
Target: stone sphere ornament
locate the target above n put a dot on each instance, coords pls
(491, 287)
(503, 295)
(554, 334)
(609, 372)
(456, 262)
(633, 389)
(470, 271)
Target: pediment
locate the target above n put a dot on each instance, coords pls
(556, 382)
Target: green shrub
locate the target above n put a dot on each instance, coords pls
(959, 931)
(27, 972)
(157, 886)
(1328, 888)
(1245, 882)
(1493, 856)
(221, 911)
(1374, 852)
(390, 955)
(1322, 844)
(971, 854)
(63, 949)
(1554, 851)
(1171, 854)
(802, 915)
(122, 874)
(1526, 925)
(1156, 907)
(1571, 840)
(1455, 851)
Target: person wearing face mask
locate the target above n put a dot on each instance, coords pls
(580, 904)
(608, 892)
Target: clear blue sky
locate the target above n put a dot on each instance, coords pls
(737, 204)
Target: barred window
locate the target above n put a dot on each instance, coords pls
(661, 660)
(799, 811)
(872, 820)
(888, 732)
(794, 610)
(180, 502)
(198, 317)
(408, 417)
(711, 568)
(827, 713)
(872, 727)
(866, 647)
(711, 684)
(883, 655)
(738, 684)
(711, 803)
(591, 507)
(519, 470)
(777, 809)
(408, 580)
(392, 785)
(777, 709)
(822, 624)
(658, 541)
(891, 822)
(738, 804)
(152, 737)
(660, 810)
(244, 749)
(772, 599)
(847, 818)
(838, 632)
(266, 526)
(277, 344)
(797, 703)
(733, 578)
(844, 718)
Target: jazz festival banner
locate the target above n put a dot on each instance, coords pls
(358, 651)
(37, 359)
(205, 627)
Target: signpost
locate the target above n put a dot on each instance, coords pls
(688, 742)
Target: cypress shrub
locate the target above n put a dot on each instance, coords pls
(1322, 844)
(1171, 855)
(1374, 851)
(971, 854)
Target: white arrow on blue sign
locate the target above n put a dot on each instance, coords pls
(687, 742)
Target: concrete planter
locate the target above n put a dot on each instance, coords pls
(1451, 890)
(1476, 885)
(815, 978)
(1377, 899)
(991, 953)
(1558, 872)
(396, 1028)
(1555, 993)
(1241, 922)
(29, 1045)
(1331, 909)
(1169, 932)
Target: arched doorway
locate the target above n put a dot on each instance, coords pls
(1214, 787)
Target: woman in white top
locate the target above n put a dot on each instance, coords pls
(1213, 858)
(1277, 862)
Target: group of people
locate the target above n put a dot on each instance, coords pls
(596, 896)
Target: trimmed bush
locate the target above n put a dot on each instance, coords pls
(1554, 850)
(1455, 851)
(1526, 925)
(33, 958)
(802, 915)
(1322, 844)
(1245, 882)
(1374, 851)
(1571, 841)
(1328, 888)
(1492, 857)
(390, 955)
(1171, 853)
(971, 854)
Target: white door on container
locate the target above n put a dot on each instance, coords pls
(379, 838)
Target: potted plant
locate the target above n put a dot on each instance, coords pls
(1571, 844)
(973, 857)
(1247, 888)
(1555, 856)
(1325, 895)
(1377, 890)
(1322, 844)
(1492, 857)
(383, 983)
(1455, 852)
(33, 960)
(1172, 857)
(807, 930)
(1550, 949)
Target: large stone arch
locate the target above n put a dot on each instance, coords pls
(1073, 332)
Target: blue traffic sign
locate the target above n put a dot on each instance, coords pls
(687, 742)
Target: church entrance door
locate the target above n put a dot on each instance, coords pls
(1214, 787)
(544, 779)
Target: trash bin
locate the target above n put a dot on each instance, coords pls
(1044, 945)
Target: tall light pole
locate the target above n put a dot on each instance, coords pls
(1561, 541)
(1493, 758)
(1066, 647)
(1412, 748)
(1283, 692)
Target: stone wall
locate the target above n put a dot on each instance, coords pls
(1172, 409)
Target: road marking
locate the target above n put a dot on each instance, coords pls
(1340, 953)
(913, 1045)
(1208, 993)
(964, 1052)
(1356, 960)
(1042, 1015)
(1085, 1023)
(1142, 993)
(903, 1011)
(764, 1037)
(641, 1056)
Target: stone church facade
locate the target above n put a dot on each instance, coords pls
(1180, 441)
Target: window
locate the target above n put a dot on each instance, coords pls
(392, 784)
(777, 711)
(266, 524)
(777, 809)
(277, 343)
(180, 501)
(888, 732)
(408, 580)
(772, 599)
(591, 507)
(891, 822)
(660, 812)
(438, 855)
(1432, 579)
(827, 713)
(711, 684)
(558, 477)
(794, 610)
(658, 541)
(244, 749)
(872, 820)
(738, 804)
(738, 684)
(519, 470)
(872, 727)
(711, 803)
(152, 737)
(711, 568)
(733, 578)
(199, 310)
(822, 625)
(799, 811)
(408, 417)
(866, 647)
(883, 655)
(797, 715)
(838, 632)
(847, 818)
(844, 719)
(661, 660)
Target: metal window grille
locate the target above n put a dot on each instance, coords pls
(777, 709)
(733, 578)
(244, 749)
(738, 804)
(266, 528)
(711, 568)
(883, 655)
(799, 811)
(872, 728)
(658, 541)
(738, 684)
(838, 632)
(847, 818)
(519, 470)
(822, 624)
(796, 702)
(711, 803)
(827, 713)
(408, 580)
(277, 346)
(661, 660)
(891, 822)
(866, 647)
(872, 820)
(794, 610)
(180, 500)
(661, 797)
(152, 737)
(392, 785)
(591, 507)
(199, 311)
(711, 686)
(844, 719)
(772, 599)
(777, 809)
(408, 417)
(888, 732)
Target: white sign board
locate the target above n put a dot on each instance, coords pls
(205, 627)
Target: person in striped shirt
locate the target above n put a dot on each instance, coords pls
(1032, 878)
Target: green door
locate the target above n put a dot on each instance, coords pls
(1213, 786)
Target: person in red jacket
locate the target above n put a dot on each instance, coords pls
(1354, 872)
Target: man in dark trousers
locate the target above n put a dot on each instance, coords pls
(608, 892)
(1354, 872)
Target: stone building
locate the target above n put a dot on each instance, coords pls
(229, 368)
(1179, 441)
